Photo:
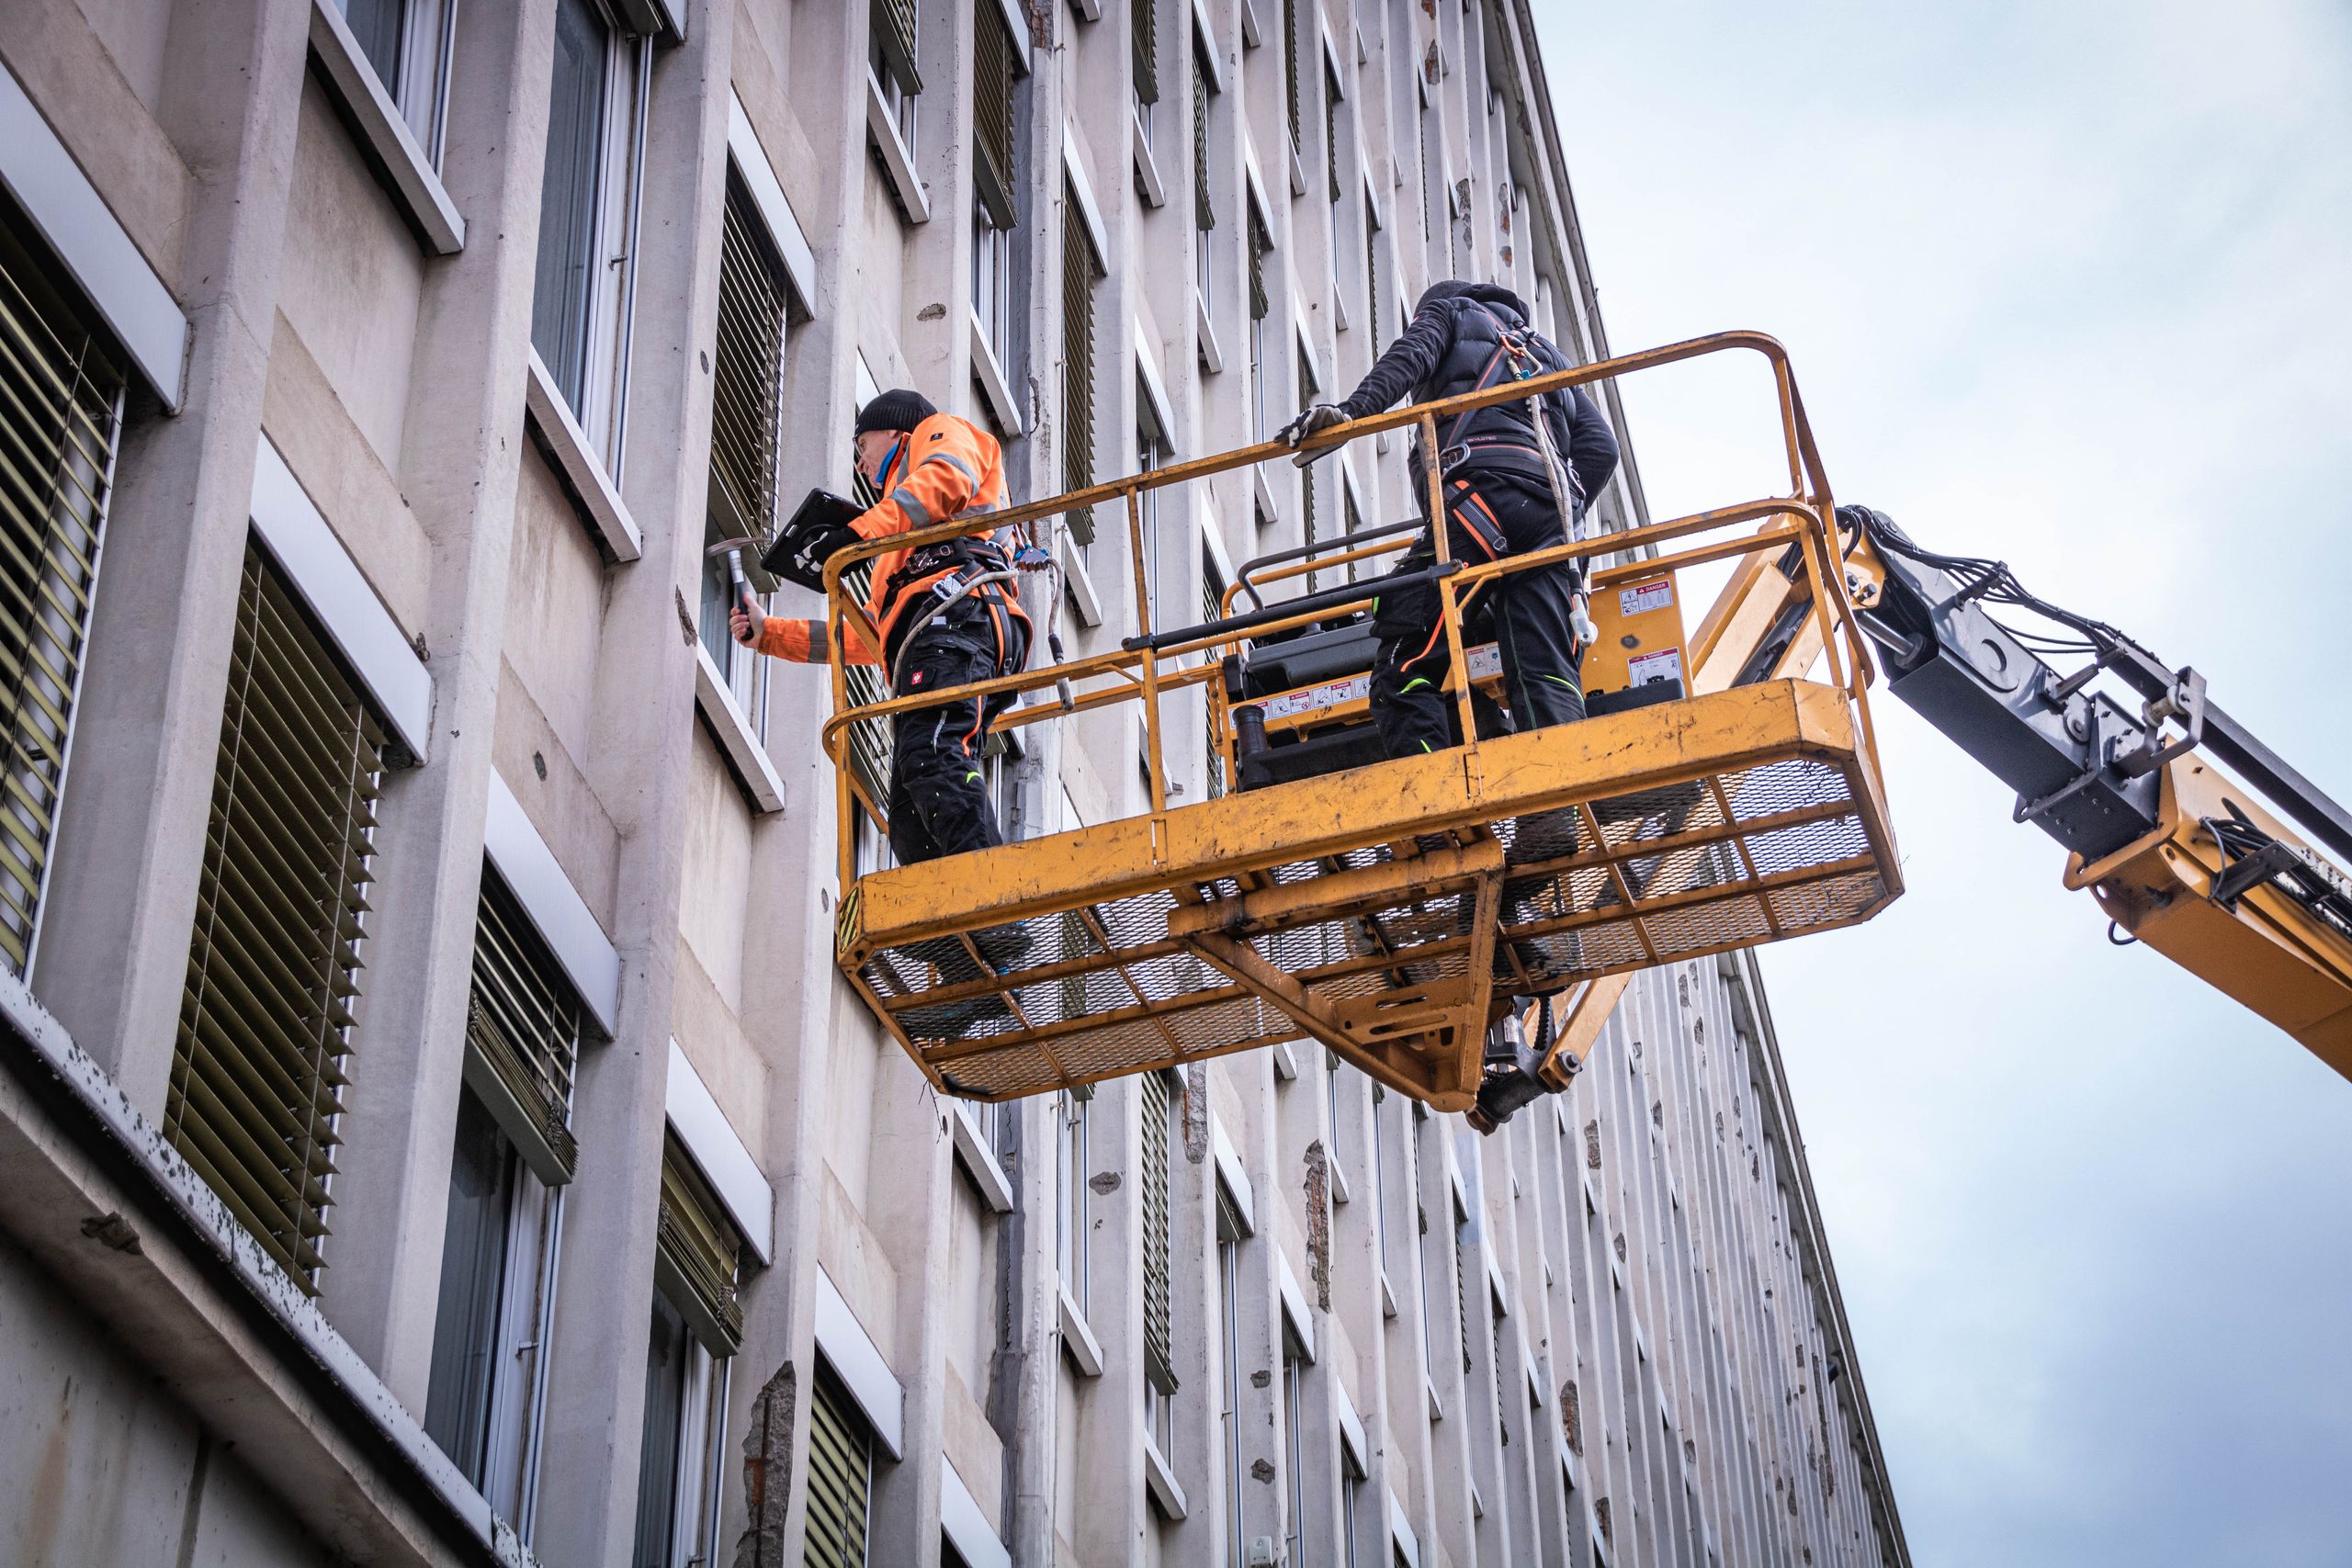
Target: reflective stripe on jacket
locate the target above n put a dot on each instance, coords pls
(946, 467)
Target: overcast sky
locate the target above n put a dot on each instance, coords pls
(2068, 284)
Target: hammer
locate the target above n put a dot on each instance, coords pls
(733, 550)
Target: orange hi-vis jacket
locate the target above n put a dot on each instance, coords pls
(946, 467)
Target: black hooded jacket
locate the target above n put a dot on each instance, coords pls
(1455, 336)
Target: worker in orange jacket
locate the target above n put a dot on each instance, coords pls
(948, 615)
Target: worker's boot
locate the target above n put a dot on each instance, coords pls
(1510, 1081)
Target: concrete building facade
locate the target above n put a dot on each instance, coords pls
(434, 1128)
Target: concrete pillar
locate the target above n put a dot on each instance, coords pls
(462, 451)
(644, 681)
(114, 950)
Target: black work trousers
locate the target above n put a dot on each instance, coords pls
(1489, 514)
(939, 797)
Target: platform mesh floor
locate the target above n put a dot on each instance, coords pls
(1746, 857)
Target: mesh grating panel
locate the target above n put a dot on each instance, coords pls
(1102, 989)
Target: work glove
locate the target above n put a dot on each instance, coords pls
(1311, 421)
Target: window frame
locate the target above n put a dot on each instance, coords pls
(427, 46)
(599, 402)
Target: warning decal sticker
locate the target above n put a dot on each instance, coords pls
(1643, 597)
(1648, 668)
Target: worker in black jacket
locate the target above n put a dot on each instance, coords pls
(1501, 500)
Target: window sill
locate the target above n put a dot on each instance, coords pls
(1251, 34)
(1297, 172)
(566, 445)
(990, 376)
(1285, 1062)
(1340, 1189)
(1148, 182)
(1264, 494)
(1437, 1406)
(1075, 578)
(1078, 1340)
(897, 162)
(979, 1162)
(1388, 1296)
(742, 747)
(1087, 10)
(385, 135)
(1211, 356)
(1166, 1495)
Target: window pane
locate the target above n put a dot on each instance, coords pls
(376, 24)
(473, 1266)
(657, 1472)
(567, 261)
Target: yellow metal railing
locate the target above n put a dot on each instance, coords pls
(1142, 673)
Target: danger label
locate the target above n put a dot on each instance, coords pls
(1650, 668)
(1643, 597)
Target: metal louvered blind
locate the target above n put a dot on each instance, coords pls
(1290, 72)
(1372, 273)
(1077, 366)
(696, 1254)
(1260, 243)
(1461, 1297)
(841, 1465)
(1331, 132)
(60, 412)
(1158, 1289)
(523, 1021)
(1204, 208)
(747, 371)
(894, 35)
(259, 1070)
(992, 111)
(1145, 32)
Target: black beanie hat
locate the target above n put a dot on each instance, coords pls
(897, 409)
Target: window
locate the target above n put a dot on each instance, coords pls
(890, 56)
(1074, 1170)
(840, 1475)
(1290, 76)
(1229, 1232)
(1351, 520)
(512, 1152)
(995, 209)
(580, 307)
(1429, 157)
(1212, 609)
(60, 414)
(1080, 265)
(1203, 204)
(265, 1033)
(1331, 127)
(1159, 1367)
(1144, 33)
(407, 44)
(1262, 244)
(697, 1325)
(1307, 387)
(756, 307)
(492, 1314)
(1153, 448)
(1338, 1119)
(1294, 1441)
(1380, 1177)
(1351, 1483)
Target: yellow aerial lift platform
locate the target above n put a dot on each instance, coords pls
(1390, 911)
